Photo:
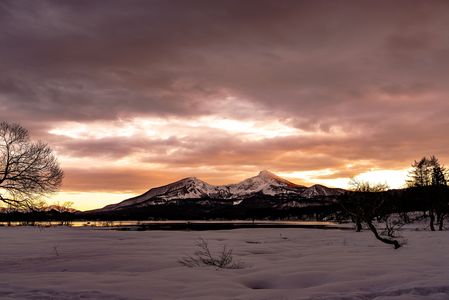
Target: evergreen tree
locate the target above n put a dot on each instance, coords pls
(421, 174)
(438, 172)
(428, 172)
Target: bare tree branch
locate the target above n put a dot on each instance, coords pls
(28, 170)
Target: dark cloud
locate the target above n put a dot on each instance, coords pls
(116, 148)
(374, 69)
(124, 180)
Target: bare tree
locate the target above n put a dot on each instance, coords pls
(28, 170)
(366, 203)
(62, 207)
(367, 187)
(367, 207)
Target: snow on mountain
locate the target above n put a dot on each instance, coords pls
(320, 190)
(187, 188)
(265, 183)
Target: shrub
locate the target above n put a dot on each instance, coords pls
(204, 257)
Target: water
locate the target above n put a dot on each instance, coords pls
(181, 225)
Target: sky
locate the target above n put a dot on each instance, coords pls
(137, 94)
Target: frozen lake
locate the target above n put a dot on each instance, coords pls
(279, 263)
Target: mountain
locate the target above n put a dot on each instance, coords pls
(191, 188)
(319, 190)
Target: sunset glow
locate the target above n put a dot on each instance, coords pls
(129, 103)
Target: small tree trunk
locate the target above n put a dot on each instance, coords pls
(432, 220)
(405, 217)
(358, 225)
(441, 222)
(384, 240)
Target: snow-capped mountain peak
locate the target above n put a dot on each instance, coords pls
(190, 187)
(266, 173)
(266, 183)
(268, 176)
(273, 178)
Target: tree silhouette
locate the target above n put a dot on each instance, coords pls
(28, 170)
(367, 202)
(429, 177)
(363, 186)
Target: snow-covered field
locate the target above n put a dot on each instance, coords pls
(85, 263)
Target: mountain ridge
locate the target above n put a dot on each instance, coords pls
(192, 188)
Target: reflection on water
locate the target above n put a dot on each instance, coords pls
(179, 223)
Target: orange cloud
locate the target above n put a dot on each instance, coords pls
(332, 89)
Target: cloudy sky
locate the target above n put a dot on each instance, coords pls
(135, 94)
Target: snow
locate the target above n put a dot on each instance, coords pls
(86, 263)
(193, 188)
(320, 190)
(266, 182)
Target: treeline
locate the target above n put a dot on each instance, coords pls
(258, 207)
(395, 208)
(425, 198)
(40, 211)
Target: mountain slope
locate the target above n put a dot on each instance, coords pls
(265, 183)
(320, 190)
